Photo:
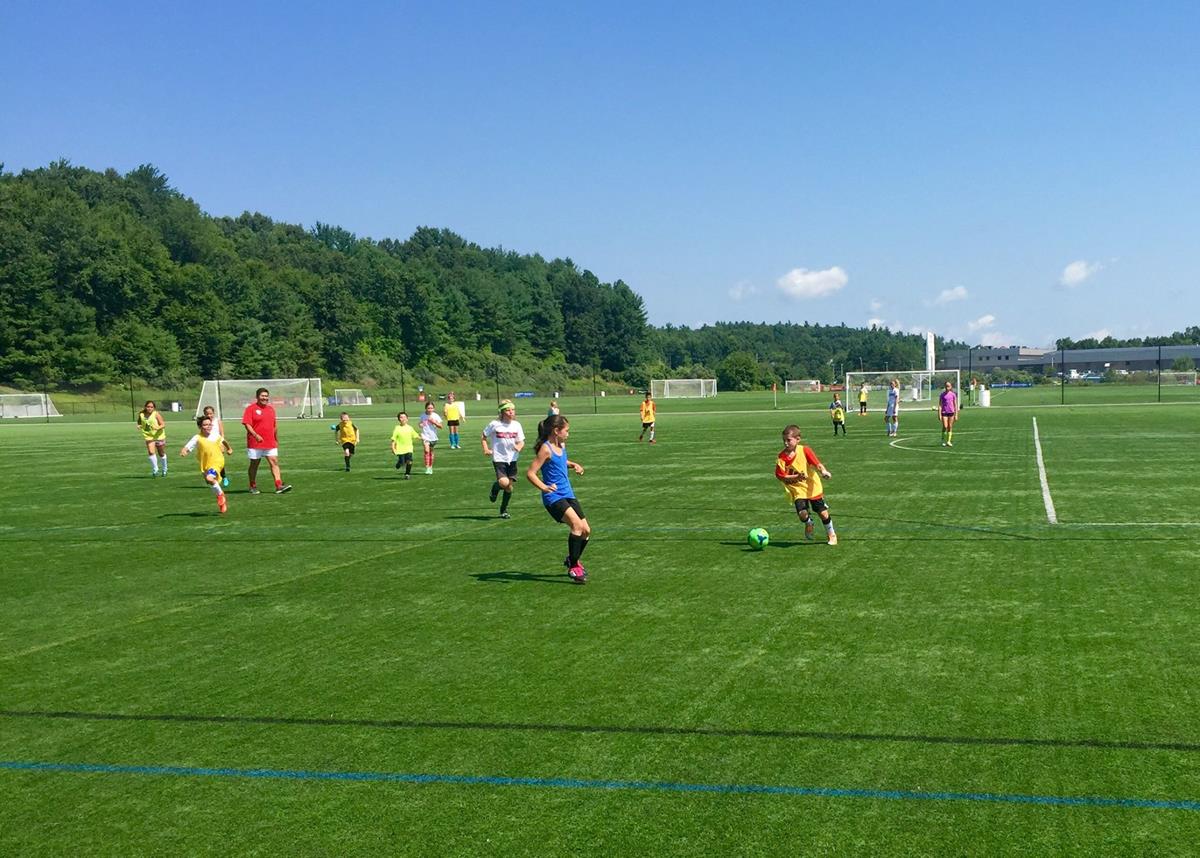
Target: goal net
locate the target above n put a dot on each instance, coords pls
(681, 388)
(291, 397)
(916, 385)
(27, 405)
(804, 385)
(1168, 377)
(349, 396)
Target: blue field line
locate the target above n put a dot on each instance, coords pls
(611, 785)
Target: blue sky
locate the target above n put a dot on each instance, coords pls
(998, 173)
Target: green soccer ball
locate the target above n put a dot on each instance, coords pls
(758, 538)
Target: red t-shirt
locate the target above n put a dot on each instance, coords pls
(260, 418)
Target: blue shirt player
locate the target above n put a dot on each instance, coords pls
(550, 474)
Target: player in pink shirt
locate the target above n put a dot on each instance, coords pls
(948, 405)
(261, 442)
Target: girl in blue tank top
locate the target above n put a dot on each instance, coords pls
(549, 473)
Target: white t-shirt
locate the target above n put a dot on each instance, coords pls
(503, 439)
(430, 423)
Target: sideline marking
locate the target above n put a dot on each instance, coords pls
(588, 783)
(1051, 515)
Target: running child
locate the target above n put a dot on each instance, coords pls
(211, 448)
(550, 458)
(154, 433)
(648, 409)
(403, 437)
(837, 411)
(507, 440)
(346, 434)
(800, 471)
(218, 429)
(430, 424)
(948, 406)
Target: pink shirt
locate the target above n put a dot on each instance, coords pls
(260, 418)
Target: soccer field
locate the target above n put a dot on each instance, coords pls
(373, 666)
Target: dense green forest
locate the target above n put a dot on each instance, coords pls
(106, 277)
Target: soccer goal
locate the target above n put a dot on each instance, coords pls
(804, 385)
(916, 385)
(291, 397)
(349, 396)
(1168, 377)
(682, 388)
(27, 405)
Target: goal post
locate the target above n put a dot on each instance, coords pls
(803, 385)
(27, 405)
(682, 388)
(349, 396)
(291, 397)
(1177, 377)
(916, 385)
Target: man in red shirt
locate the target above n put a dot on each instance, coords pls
(261, 443)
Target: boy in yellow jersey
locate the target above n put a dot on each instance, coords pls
(346, 434)
(211, 448)
(838, 412)
(154, 434)
(404, 435)
(648, 410)
(800, 471)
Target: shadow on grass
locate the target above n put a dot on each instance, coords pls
(780, 543)
(473, 517)
(189, 515)
(510, 577)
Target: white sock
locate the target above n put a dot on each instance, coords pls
(154, 464)
(829, 526)
(163, 456)
(216, 487)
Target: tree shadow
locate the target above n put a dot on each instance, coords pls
(512, 577)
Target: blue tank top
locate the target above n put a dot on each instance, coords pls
(554, 470)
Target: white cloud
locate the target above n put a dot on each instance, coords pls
(982, 322)
(995, 339)
(742, 290)
(876, 323)
(1077, 272)
(958, 293)
(801, 283)
(875, 306)
(1097, 335)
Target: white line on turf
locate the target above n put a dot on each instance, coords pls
(1051, 515)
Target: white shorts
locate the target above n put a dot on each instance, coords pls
(253, 453)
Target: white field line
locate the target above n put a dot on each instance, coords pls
(1051, 516)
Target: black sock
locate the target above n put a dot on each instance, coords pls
(575, 546)
(397, 463)
(504, 503)
(407, 468)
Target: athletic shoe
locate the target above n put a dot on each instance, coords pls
(224, 482)
(282, 489)
(949, 443)
(651, 440)
(505, 515)
(577, 574)
(254, 490)
(154, 473)
(833, 539)
(408, 476)
(428, 471)
(494, 493)
(808, 530)
(222, 505)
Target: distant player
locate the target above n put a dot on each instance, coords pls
(800, 471)
(211, 448)
(891, 414)
(550, 459)
(154, 433)
(218, 429)
(553, 411)
(862, 399)
(503, 440)
(648, 410)
(403, 437)
(346, 434)
(456, 413)
(837, 411)
(948, 406)
(430, 424)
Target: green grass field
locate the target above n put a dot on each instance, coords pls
(372, 666)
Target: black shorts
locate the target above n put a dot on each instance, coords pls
(817, 505)
(404, 458)
(559, 508)
(505, 469)
(453, 424)
(349, 446)
(647, 425)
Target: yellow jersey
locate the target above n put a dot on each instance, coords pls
(209, 454)
(403, 437)
(648, 412)
(791, 463)
(152, 427)
(453, 412)
(347, 432)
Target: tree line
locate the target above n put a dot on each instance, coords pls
(106, 277)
